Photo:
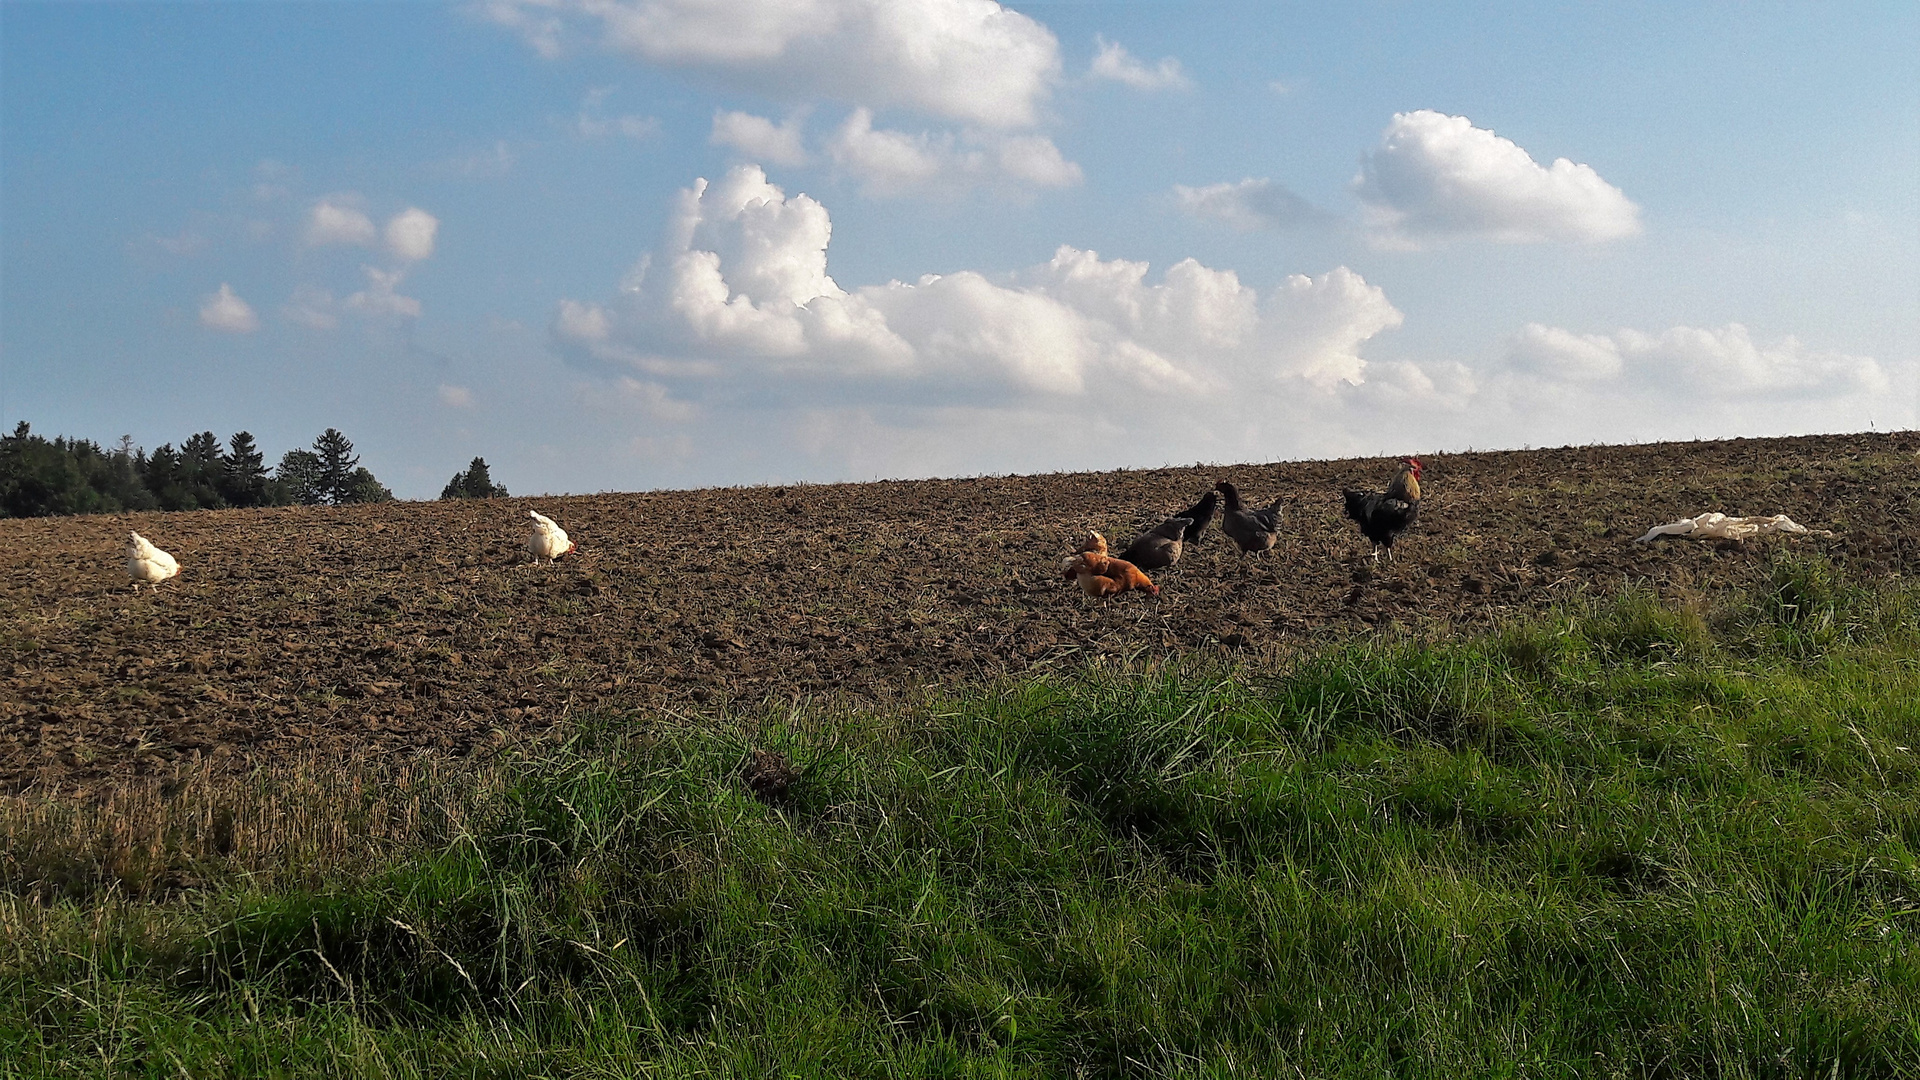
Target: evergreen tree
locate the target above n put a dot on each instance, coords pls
(337, 465)
(165, 476)
(475, 483)
(121, 482)
(363, 488)
(202, 467)
(299, 479)
(38, 477)
(76, 476)
(243, 478)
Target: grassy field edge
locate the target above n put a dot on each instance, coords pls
(1628, 837)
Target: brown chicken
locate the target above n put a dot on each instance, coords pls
(1100, 574)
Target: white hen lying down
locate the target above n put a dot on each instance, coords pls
(148, 563)
(547, 541)
(1722, 527)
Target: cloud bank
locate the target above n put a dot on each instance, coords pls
(1435, 177)
(736, 311)
(732, 342)
(1688, 363)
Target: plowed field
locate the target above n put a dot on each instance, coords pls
(415, 626)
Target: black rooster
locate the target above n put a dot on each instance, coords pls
(1384, 515)
(1199, 515)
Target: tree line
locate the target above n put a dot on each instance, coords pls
(39, 477)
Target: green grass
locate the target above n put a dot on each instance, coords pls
(1627, 838)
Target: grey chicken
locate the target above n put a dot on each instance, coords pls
(1253, 531)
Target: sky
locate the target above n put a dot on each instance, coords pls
(617, 245)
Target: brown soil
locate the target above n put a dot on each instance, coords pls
(417, 626)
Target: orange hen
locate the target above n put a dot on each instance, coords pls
(1099, 574)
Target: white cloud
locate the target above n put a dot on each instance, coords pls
(1722, 364)
(1035, 160)
(410, 234)
(1551, 352)
(967, 60)
(1248, 205)
(1115, 63)
(738, 303)
(380, 298)
(336, 220)
(1435, 176)
(455, 397)
(652, 401)
(731, 350)
(759, 138)
(888, 162)
(311, 307)
(224, 311)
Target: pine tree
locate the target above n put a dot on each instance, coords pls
(121, 483)
(243, 480)
(165, 476)
(475, 483)
(337, 465)
(202, 467)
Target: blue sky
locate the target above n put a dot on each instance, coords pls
(620, 244)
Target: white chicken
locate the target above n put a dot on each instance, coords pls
(547, 540)
(148, 563)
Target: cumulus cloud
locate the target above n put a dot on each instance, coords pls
(1034, 159)
(410, 234)
(380, 299)
(1249, 205)
(1435, 177)
(760, 138)
(336, 220)
(888, 162)
(972, 61)
(738, 302)
(1114, 62)
(224, 311)
(1724, 363)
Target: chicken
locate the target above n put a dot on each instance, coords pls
(1384, 515)
(1159, 546)
(1099, 574)
(1253, 531)
(148, 563)
(1199, 515)
(547, 540)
